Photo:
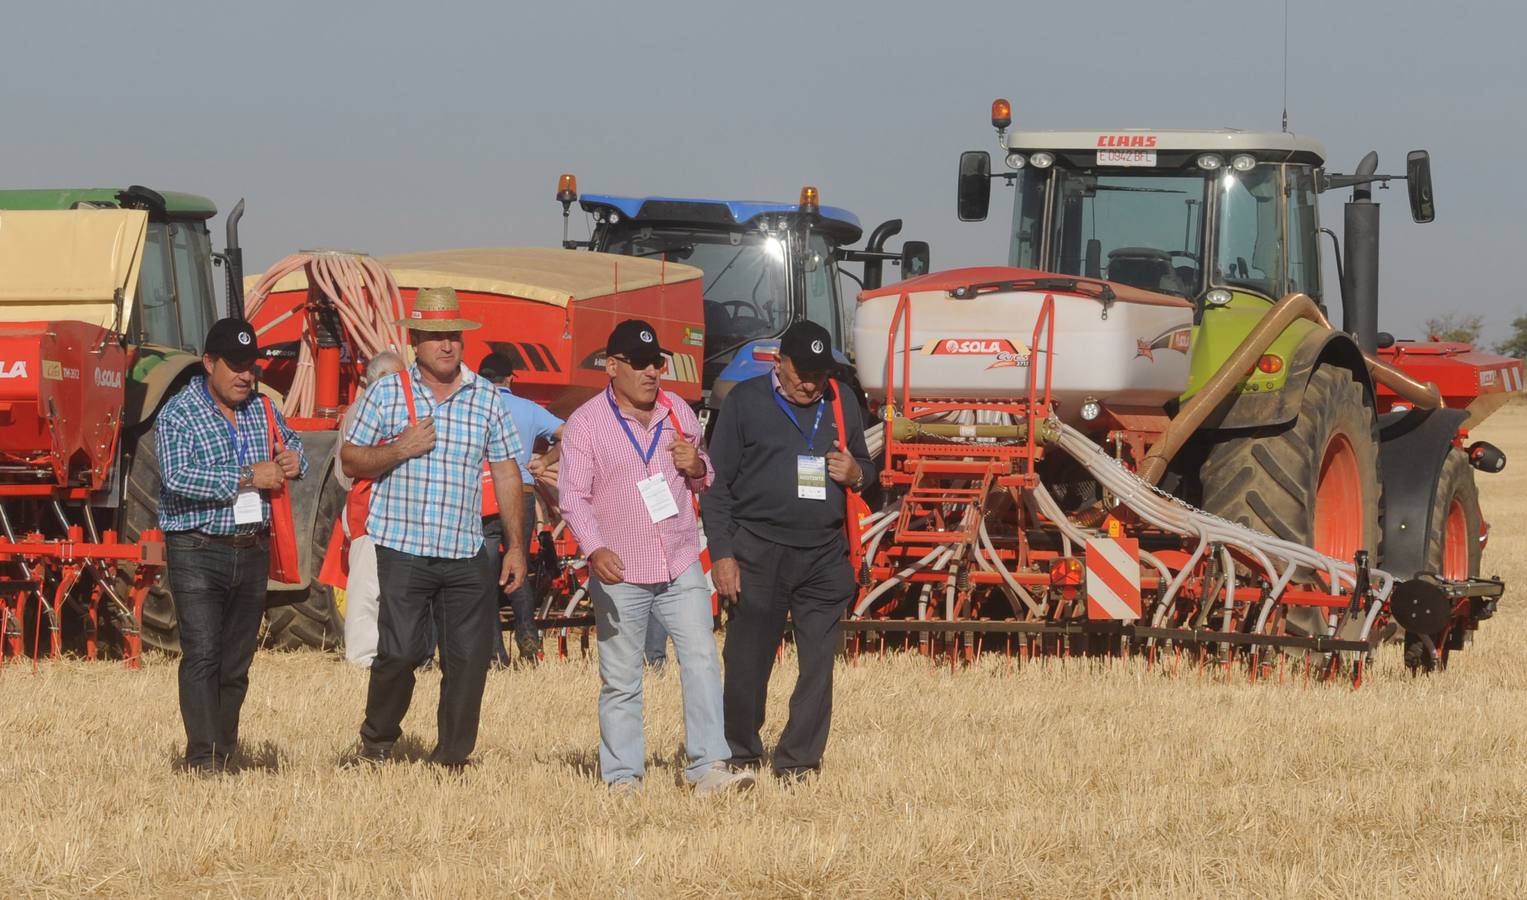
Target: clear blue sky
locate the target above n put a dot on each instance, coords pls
(396, 126)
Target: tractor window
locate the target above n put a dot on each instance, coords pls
(155, 315)
(1251, 231)
(821, 284)
(1303, 233)
(193, 282)
(1144, 230)
(1028, 219)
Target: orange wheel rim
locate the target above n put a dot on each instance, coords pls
(1339, 501)
(1455, 542)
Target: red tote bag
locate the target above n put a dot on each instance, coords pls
(285, 565)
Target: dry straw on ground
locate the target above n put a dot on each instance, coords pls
(1047, 780)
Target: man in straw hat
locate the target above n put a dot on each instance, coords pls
(426, 522)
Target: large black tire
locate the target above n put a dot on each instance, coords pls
(311, 618)
(1452, 546)
(1269, 478)
(140, 512)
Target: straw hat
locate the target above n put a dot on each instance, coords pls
(437, 309)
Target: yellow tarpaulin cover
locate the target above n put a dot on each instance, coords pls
(69, 264)
(542, 274)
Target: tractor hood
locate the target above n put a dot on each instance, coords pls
(70, 264)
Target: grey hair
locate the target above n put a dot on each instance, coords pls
(383, 364)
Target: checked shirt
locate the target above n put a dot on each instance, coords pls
(432, 505)
(601, 503)
(201, 462)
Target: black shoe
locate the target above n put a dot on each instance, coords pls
(369, 755)
(200, 769)
(451, 768)
(530, 649)
(792, 777)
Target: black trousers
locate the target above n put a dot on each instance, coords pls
(219, 593)
(813, 586)
(523, 600)
(467, 592)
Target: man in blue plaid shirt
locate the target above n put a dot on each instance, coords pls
(426, 520)
(215, 454)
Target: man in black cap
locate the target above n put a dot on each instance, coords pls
(787, 449)
(215, 452)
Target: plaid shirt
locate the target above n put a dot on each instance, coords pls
(599, 498)
(201, 463)
(432, 505)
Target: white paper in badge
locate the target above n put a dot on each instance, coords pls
(811, 477)
(246, 509)
(658, 497)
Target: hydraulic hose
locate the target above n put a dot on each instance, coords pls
(363, 294)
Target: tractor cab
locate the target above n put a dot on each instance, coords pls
(766, 265)
(177, 301)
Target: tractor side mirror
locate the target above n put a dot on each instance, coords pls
(975, 186)
(914, 258)
(1418, 180)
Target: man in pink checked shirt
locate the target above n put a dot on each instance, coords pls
(629, 474)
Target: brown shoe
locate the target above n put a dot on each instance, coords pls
(530, 649)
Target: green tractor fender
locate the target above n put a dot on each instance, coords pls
(157, 373)
(1304, 346)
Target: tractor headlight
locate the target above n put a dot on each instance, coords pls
(1014, 160)
(1210, 161)
(1042, 159)
(1217, 297)
(1091, 409)
(1243, 162)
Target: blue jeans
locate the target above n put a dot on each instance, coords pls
(219, 593)
(621, 613)
(656, 651)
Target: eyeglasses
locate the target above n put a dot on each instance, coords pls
(648, 362)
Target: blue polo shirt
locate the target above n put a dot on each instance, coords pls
(531, 421)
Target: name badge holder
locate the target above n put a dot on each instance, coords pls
(810, 469)
(654, 490)
(247, 509)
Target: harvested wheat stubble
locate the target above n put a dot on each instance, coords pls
(1061, 778)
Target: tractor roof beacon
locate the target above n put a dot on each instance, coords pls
(1163, 308)
(767, 264)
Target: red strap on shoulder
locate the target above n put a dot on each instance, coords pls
(408, 396)
(276, 444)
(837, 414)
(673, 415)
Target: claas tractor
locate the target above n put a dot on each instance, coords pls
(1144, 435)
(105, 296)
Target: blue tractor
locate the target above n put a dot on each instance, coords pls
(766, 265)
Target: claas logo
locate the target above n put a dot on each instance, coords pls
(1007, 353)
(1130, 141)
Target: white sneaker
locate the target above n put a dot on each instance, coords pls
(722, 778)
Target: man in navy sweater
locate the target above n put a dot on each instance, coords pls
(774, 519)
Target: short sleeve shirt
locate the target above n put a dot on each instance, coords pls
(432, 505)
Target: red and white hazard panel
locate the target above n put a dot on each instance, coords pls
(1113, 579)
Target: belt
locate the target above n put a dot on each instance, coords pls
(234, 540)
(528, 488)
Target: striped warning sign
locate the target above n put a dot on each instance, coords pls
(1113, 578)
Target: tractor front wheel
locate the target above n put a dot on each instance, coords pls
(1313, 481)
(1453, 550)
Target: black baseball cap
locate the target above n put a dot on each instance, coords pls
(634, 339)
(233, 340)
(496, 366)
(809, 346)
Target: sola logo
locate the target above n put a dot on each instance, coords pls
(17, 369)
(108, 378)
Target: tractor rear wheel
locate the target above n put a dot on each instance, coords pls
(1452, 546)
(313, 618)
(1313, 481)
(140, 512)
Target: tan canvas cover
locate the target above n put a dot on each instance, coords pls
(69, 264)
(543, 274)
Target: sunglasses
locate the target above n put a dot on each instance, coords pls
(643, 363)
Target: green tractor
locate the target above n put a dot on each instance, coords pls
(1339, 438)
(176, 302)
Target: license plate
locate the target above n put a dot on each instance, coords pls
(1126, 157)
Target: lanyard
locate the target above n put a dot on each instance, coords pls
(233, 428)
(811, 439)
(630, 436)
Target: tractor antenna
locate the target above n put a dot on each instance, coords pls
(1285, 66)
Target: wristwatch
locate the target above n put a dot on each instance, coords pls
(858, 484)
(246, 477)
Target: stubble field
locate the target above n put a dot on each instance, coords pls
(1040, 780)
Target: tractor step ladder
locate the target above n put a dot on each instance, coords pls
(931, 496)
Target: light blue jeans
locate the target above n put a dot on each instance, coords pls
(621, 612)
